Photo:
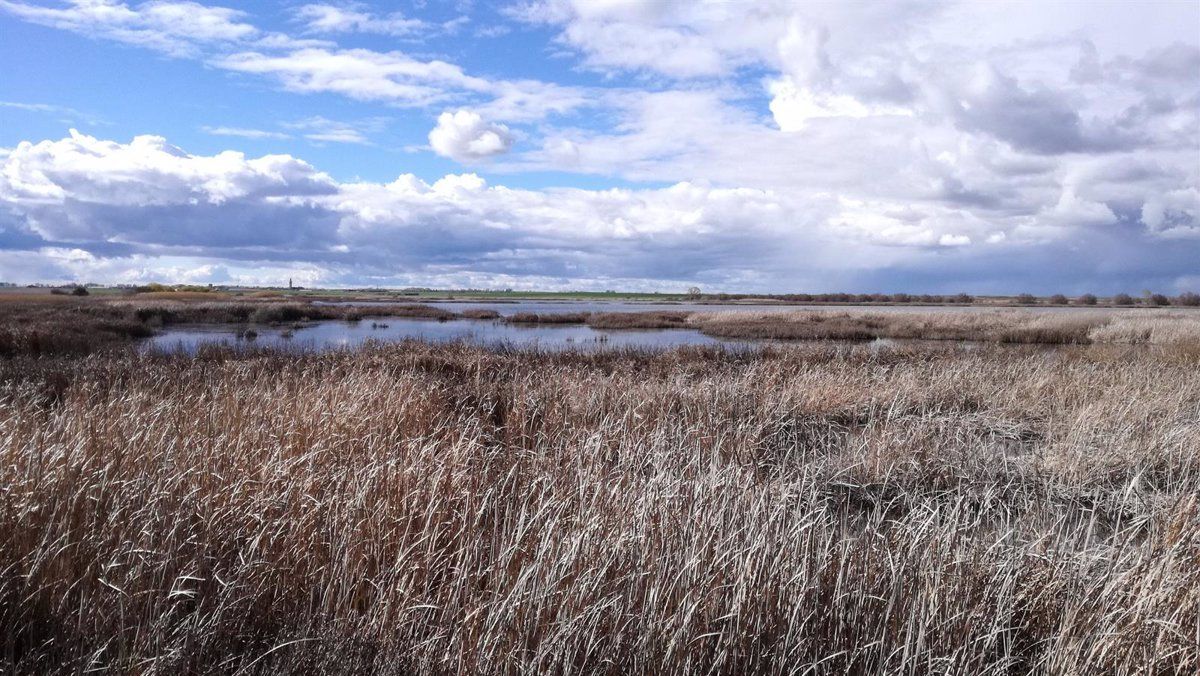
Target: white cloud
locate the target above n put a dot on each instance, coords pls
(107, 210)
(895, 132)
(324, 130)
(222, 38)
(465, 136)
(359, 74)
(243, 132)
(148, 192)
(175, 28)
(148, 198)
(793, 106)
(1175, 214)
(678, 39)
(63, 113)
(325, 18)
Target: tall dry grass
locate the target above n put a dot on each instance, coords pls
(442, 509)
(1002, 326)
(75, 326)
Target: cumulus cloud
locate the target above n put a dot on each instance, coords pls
(1174, 214)
(148, 193)
(115, 211)
(465, 136)
(836, 142)
(105, 199)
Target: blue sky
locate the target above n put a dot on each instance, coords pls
(751, 146)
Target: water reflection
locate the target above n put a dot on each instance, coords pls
(336, 334)
(507, 308)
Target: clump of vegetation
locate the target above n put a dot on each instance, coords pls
(823, 325)
(412, 508)
(548, 318)
(638, 320)
(1086, 299)
(66, 327)
(73, 290)
(70, 326)
(480, 314)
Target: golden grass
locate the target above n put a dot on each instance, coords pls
(997, 326)
(441, 509)
(66, 324)
(1159, 328)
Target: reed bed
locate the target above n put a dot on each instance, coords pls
(638, 320)
(606, 320)
(481, 313)
(73, 326)
(548, 318)
(410, 508)
(69, 325)
(1002, 326)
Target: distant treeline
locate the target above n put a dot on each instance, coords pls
(1187, 299)
(848, 297)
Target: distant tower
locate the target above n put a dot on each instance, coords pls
(289, 282)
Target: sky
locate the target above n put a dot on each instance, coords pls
(652, 145)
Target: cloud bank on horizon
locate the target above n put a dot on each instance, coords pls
(768, 146)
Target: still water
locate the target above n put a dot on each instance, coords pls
(507, 308)
(337, 334)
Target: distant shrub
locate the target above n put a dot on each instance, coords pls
(1122, 299)
(1157, 299)
(1188, 299)
(962, 298)
(1086, 299)
(1027, 299)
(1058, 299)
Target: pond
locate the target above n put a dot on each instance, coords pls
(338, 334)
(328, 335)
(507, 308)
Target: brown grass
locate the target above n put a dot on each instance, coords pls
(441, 509)
(547, 318)
(606, 320)
(638, 320)
(479, 314)
(68, 325)
(1002, 326)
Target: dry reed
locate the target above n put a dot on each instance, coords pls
(410, 508)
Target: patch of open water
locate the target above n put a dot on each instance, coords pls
(328, 335)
